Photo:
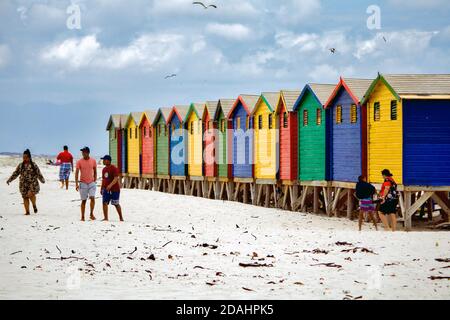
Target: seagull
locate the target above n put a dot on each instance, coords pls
(333, 50)
(204, 6)
(384, 38)
(170, 76)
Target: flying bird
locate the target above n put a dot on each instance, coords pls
(170, 76)
(384, 38)
(205, 6)
(333, 50)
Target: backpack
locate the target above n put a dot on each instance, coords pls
(393, 192)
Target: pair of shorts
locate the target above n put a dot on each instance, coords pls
(111, 197)
(367, 205)
(64, 171)
(389, 207)
(87, 190)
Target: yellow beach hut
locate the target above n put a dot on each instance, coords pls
(265, 136)
(133, 143)
(193, 122)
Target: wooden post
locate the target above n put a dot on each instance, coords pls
(408, 218)
(316, 200)
(349, 204)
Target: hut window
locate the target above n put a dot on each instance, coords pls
(131, 133)
(192, 127)
(285, 120)
(305, 118)
(247, 122)
(353, 114)
(376, 111)
(338, 114)
(145, 132)
(238, 123)
(394, 110)
(149, 132)
(136, 133)
(260, 122)
(270, 121)
(165, 130)
(115, 134)
(318, 116)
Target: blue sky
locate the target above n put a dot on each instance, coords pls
(58, 86)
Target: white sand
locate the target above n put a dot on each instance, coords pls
(399, 269)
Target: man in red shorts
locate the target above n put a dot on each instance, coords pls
(110, 189)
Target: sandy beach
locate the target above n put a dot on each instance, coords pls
(178, 247)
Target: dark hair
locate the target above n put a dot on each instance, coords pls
(66, 148)
(386, 173)
(28, 153)
(361, 178)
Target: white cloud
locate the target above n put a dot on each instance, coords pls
(229, 31)
(329, 74)
(310, 42)
(5, 55)
(409, 42)
(295, 11)
(147, 51)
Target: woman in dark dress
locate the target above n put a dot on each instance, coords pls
(389, 201)
(29, 177)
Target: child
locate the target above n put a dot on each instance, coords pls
(365, 192)
(110, 189)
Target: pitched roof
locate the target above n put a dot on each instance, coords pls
(136, 117)
(225, 105)
(270, 100)
(196, 107)
(164, 112)
(356, 88)
(321, 93)
(181, 111)
(249, 102)
(123, 120)
(289, 98)
(211, 106)
(414, 85)
(114, 120)
(150, 114)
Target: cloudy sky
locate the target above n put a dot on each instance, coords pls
(59, 85)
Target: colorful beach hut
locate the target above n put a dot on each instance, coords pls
(147, 142)
(346, 147)
(161, 141)
(113, 129)
(287, 128)
(265, 142)
(222, 151)
(209, 139)
(193, 121)
(409, 128)
(177, 141)
(134, 143)
(242, 136)
(123, 148)
(312, 131)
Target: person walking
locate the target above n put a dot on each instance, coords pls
(30, 175)
(65, 159)
(365, 192)
(110, 189)
(86, 171)
(389, 201)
